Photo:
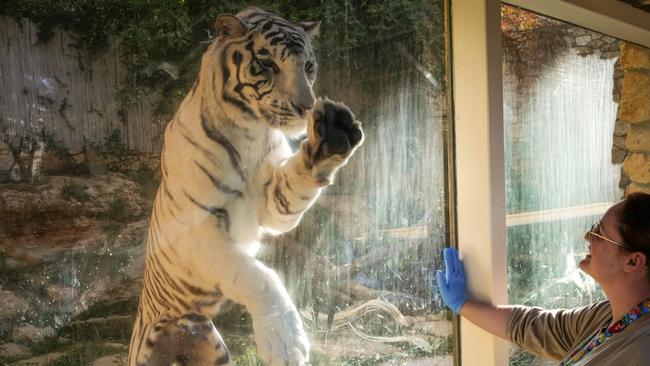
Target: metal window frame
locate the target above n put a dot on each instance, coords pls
(478, 146)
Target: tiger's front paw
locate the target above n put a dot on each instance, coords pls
(281, 339)
(332, 137)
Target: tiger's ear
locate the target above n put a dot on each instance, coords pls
(311, 28)
(228, 25)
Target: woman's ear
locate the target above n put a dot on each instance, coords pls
(636, 261)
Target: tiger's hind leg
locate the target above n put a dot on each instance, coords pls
(191, 340)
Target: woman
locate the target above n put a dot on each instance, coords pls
(614, 331)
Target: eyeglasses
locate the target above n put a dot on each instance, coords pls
(595, 231)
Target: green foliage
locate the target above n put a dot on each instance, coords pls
(55, 146)
(115, 151)
(147, 181)
(9, 274)
(15, 278)
(105, 308)
(118, 211)
(244, 353)
(6, 360)
(45, 345)
(61, 152)
(72, 190)
(113, 143)
(445, 346)
(150, 33)
(85, 353)
(22, 149)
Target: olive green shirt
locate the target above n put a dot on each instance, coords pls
(554, 334)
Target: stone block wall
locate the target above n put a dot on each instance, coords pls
(633, 122)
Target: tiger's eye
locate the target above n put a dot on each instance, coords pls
(269, 64)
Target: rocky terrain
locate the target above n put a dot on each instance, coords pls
(71, 262)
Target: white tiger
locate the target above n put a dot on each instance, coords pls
(228, 177)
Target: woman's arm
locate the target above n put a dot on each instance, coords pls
(548, 333)
(452, 285)
(489, 317)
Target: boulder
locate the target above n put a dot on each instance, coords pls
(43, 222)
(42, 360)
(635, 187)
(635, 98)
(15, 351)
(618, 155)
(638, 137)
(11, 305)
(620, 128)
(28, 333)
(634, 56)
(112, 360)
(114, 327)
(637, 167)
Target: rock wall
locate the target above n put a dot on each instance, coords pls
(51, 96)
(633, 123)
(532, 51)
(528, 49)
(71, 265)
(46, 86)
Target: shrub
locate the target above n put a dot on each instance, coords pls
(72, 190)
(118, 210)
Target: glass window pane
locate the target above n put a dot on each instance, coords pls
(367, 243)
(565, 144)
(74, 216)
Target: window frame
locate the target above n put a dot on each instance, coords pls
(479, 223)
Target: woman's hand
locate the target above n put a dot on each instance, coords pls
(452, 282)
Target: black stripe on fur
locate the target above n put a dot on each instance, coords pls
(220, 139)
(218, 184)
(219, 212)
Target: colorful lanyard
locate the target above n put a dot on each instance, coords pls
(638, 311)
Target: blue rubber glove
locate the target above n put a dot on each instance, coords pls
(452, 283)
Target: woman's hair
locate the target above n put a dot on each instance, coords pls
(634, 221)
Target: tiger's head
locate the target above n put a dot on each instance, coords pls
(264, 68)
